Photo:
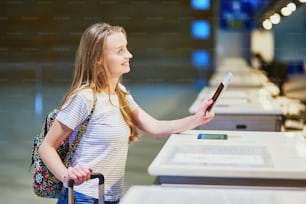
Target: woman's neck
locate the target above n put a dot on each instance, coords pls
(112, 86)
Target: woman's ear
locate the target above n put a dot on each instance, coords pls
(99, 61)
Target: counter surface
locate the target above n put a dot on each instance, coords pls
(244, 155)
(182, 195)
(239, 101)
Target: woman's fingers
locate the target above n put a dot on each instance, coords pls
(205, 116)
(79, 174)
(203, 108)
(207, 104)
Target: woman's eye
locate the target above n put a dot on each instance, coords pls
(120, 51)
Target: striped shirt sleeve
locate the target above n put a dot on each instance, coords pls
(73, 112)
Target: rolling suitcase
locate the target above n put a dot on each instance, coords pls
(93, 176)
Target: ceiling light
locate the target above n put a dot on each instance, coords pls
(291, 6)
(267, 24)
(286, 11)
(275, 18)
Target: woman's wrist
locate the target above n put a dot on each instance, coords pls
(65, 181)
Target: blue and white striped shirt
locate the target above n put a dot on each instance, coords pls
(104, 145)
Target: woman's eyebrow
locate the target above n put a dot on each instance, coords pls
(121, 46)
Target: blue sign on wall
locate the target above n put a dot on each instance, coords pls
(200, 29)
(200, 4)
(236, 14)
(200, 59)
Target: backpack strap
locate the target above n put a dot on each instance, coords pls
(80, 133)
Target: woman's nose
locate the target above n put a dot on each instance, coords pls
(129, 54)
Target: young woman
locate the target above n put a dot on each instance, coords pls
(101, 60)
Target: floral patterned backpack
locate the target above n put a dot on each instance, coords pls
(45, 184)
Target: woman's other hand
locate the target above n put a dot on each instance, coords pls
(79, 174)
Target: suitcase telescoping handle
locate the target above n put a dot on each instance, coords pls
(100, 188)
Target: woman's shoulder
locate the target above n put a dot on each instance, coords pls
(86, 95)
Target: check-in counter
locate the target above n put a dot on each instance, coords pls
(241, 109)
(210, 195)
(246, 79)
(243, 159)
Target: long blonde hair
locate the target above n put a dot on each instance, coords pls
(90, 74)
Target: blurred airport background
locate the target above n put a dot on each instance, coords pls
(177, 47)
